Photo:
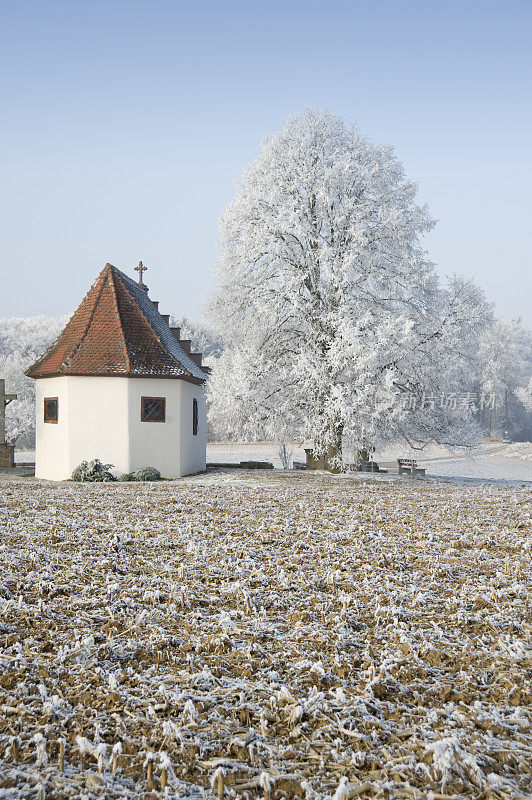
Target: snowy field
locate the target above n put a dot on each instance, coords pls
(267, 635)
(490, 462)
(481, 468)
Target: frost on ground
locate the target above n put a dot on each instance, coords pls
(490, 461)
(265, 635)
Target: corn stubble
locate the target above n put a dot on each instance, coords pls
(267, 636)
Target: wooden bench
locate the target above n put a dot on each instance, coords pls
(410, 466)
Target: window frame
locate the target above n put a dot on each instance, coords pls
(143, 417)
(51, 400)
(195, 416)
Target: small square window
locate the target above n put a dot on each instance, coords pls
(51, 409)
(153, 409)
(195, 411)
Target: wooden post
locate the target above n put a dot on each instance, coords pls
(5, 399)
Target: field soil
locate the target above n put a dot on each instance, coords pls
(268, 635)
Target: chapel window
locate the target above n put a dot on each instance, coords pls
(51, 409)
(153, 409)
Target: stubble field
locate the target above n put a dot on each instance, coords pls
(265, 635)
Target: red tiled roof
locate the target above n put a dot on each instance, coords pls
(116, 330)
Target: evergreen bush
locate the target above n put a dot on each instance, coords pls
(147, 474)
(93, 471)
(142, 474)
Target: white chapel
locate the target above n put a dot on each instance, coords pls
(119, 384)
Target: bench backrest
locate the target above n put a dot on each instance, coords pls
(406, 462)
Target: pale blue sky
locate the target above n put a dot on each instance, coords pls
(125, 126)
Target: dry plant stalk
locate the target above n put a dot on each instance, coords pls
(149, 771)
(218, 781)
(116, 752)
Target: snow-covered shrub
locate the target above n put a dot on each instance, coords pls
(142, 474)
(147, 474)
(285, 452)
(93, 471)
(127, 477)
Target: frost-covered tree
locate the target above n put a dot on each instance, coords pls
(22, 341)
(524, 394)
(506, 362)
(506, 355)
(327, 301)
(204, 339)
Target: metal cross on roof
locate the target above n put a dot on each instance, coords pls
(140, 269)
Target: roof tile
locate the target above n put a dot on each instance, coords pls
(116, 331)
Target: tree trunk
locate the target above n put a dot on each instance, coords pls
(506, 423)
(334, 455)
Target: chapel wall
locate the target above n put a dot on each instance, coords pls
(52, 446)
(154, 444)
(98, 421)
(193, 452)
